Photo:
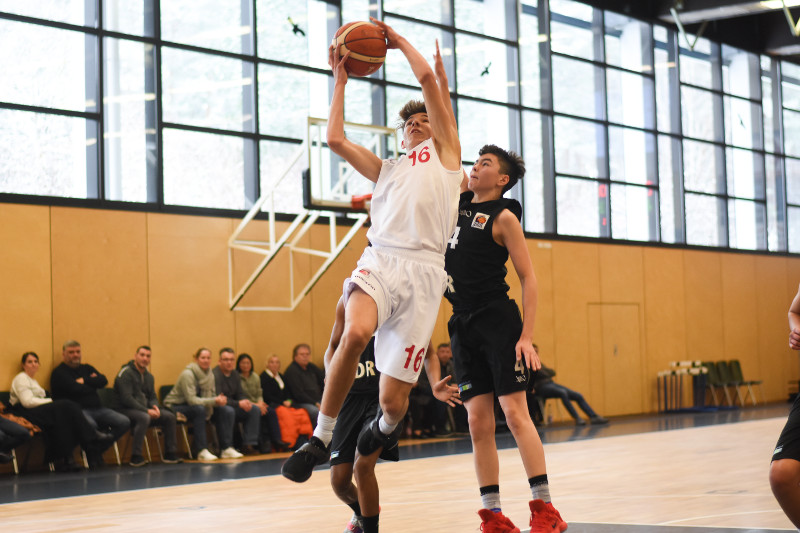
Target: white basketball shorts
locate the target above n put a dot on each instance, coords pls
(407, 287)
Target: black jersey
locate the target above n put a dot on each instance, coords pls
(367, 376)
(475, 263)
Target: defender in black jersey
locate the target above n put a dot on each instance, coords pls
(492, 344)
(784, 471)
(360, 412)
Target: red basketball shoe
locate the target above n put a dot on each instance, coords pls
(492, 522)
(545, 518)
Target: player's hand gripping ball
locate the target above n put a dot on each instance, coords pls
(367, 46)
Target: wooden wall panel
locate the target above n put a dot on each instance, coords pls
(664, 313)
(703, 297)
(120, 279)
(100, 297)
(188, 272)
(739, 315)
(776, 362)
(576, 283)
(544, 328)
(26, 320)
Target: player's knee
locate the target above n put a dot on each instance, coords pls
(355, 338)
(340, 482)
(784, 476)
(362, 470)
(517, 419)
(480, 426)
(393, 407)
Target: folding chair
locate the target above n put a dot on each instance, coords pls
(713, 383)
(724, 372)
(736, 372)
(163, 391)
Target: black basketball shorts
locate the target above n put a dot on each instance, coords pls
(788, 446)
(358, 411)
(483, 341)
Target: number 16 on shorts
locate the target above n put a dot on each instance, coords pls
(417, 360)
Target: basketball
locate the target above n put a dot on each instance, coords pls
(366, 44)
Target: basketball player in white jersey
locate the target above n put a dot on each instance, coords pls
(395, 291)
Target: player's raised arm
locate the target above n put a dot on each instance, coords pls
(445, 134)
(363, 161)
(794, 322)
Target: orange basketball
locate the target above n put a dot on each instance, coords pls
(366, 44)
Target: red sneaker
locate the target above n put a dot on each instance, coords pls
(492, 522)
(545, 518)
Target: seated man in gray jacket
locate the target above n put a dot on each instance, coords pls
(136, 392)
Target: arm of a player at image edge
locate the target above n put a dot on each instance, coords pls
(445, 134)
(794, 323)
(441, 390)
(514, 240)
(363, 161)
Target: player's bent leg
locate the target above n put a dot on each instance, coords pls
(342, 482)
(368, 493)
(784, 479)
(480, 416)
(361, 319)
(394, 404)
(515, 407)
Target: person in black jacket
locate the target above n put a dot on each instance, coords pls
(135, 388)
(73, 380)
(305, 381)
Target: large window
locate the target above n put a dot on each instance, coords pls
(630, 130)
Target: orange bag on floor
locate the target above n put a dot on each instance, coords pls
(294, 422)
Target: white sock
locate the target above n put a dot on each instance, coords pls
(384, 426)
(324, 429)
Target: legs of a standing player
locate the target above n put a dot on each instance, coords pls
(515, 407)
(784, 478)
(480, 415)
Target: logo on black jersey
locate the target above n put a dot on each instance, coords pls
(480, 220)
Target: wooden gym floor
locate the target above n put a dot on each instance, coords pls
(677, 473)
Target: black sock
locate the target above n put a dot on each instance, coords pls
(355, 507)
(370, 523)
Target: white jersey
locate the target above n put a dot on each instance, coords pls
(415, 202)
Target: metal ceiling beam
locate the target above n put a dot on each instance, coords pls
(697, 11)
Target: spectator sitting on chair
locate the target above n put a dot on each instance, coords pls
(305, 381)
(79, 382)
(294, 422)
(135, 388)
(543, 386)
(270, 431)
(11, 436)
(195, 395)
(238, 408)
(62, 421)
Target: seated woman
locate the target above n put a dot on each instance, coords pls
(293, 422)
(270, 431)
(197, 408)
(62, 421)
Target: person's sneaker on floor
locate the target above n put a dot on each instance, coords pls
(354, 525)
(545, 518)
(230, 453)
(371, 439)
(249, 449)
(598, 420)
(206, 455)
(492, 522)
(300, 464)
(137, 461)
(171, 458)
